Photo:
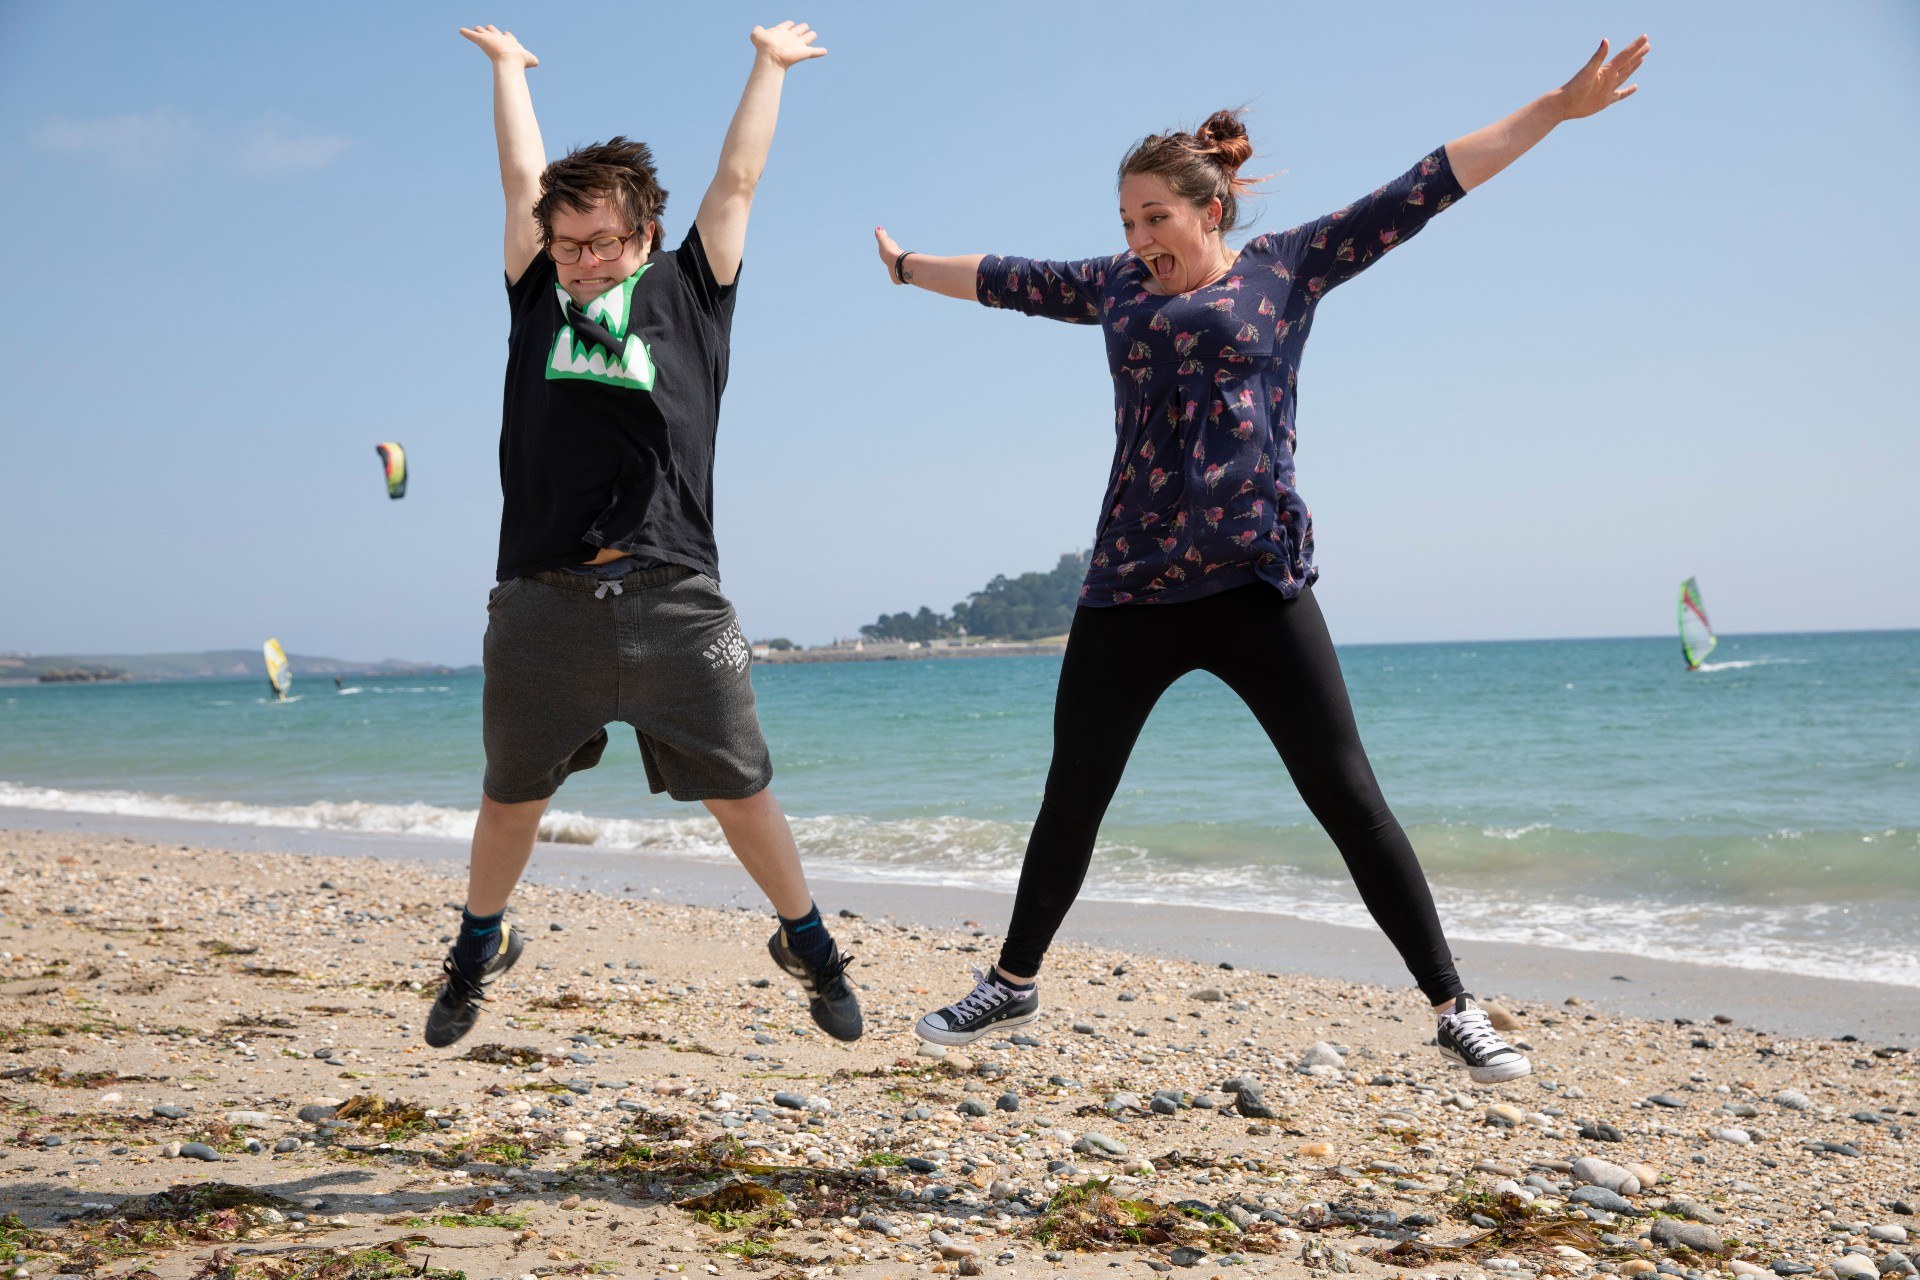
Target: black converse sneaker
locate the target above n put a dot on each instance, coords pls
(990, 1006)
(1467, 1036)
(457, 1007)
(830, 998)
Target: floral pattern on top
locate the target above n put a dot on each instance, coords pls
(1201, 493)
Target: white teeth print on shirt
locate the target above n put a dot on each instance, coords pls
(574, 358)
(729, 652)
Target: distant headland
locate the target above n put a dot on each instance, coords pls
(214, 664)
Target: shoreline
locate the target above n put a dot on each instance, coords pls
(1606, 982)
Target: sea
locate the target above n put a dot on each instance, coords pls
(1761, 813)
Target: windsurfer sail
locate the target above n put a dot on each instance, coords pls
(279, 674)
(1696, 633)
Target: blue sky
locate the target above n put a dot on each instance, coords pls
(243, 244)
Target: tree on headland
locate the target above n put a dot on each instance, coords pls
(1023, 608)
(81, 675)
(923, 626)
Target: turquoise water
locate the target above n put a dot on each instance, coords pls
(1763, 812)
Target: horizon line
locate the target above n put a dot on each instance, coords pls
(1344, 644)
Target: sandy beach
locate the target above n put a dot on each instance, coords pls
(212, 1067)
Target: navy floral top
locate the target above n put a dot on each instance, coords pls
(1201, 496)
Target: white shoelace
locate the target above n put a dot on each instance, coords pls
(1475, 1030)
(987, 992)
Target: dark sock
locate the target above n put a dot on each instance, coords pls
(807, 937)
(479, 939)
(999, 975)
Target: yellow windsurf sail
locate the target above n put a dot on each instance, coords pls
(279, 674)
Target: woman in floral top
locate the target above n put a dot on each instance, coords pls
(1203, 555)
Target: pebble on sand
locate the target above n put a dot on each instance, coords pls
(1100, 1144)
(1688, 1235)
(1600, 1198)
(1321, 1054)
(1604, 1173)
(1498, 1015)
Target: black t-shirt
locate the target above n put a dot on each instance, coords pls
(613, 447)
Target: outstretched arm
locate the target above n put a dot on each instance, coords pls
(1595, 87)
(954, 277)
(523, 157)
(743, 157)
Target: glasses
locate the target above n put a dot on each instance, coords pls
(606, 248)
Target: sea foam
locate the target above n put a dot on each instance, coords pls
(1812, 939)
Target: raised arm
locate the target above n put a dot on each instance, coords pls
(954, 277)
(743, 157)
(1595, 87)
(523, 157)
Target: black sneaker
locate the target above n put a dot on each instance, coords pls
(990, 1006)
(1467, 1036)
(457, 1007)
(830, 998)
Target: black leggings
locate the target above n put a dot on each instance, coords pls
(1276, 654)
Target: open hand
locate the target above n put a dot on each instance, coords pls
(1596, 86)
(788, 43)
(500, 46)
(889, 251)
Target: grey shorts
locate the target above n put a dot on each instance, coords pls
(568, 654)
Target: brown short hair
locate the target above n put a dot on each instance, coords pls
(619, 171)
(1202, 165)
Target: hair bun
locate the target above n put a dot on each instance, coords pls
(1225, 139)
(1201, 166)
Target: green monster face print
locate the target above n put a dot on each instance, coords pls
(578, 355)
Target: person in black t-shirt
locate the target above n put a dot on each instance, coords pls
(608, 606)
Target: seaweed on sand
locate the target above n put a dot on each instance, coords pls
(733, 1203)
(392, 1118)
(17, 1239)
(183, 1202)
(509, 1056)
(75, 1079)
(1088, 1215)
(1518, 1231)
(383, 1261)
(208, 1212)
(676, 1170)
(750, 1212)
(484, 1211)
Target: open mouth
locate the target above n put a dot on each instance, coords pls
(1162, 266)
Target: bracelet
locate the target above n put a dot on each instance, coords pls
(900, 275)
